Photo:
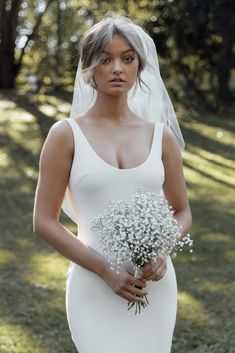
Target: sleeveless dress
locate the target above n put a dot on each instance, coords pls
(98, 318)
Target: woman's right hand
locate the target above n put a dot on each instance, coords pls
(125, 285)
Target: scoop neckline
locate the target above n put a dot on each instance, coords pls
(111, 166)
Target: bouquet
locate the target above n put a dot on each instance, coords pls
(138, 232)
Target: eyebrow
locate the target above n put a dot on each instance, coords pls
(125, 51)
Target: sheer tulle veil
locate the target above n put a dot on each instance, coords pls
(150, 100)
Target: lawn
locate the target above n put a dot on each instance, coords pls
(32, 281)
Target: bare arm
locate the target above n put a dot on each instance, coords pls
(174, 189)
(174, 186)
(54, 169)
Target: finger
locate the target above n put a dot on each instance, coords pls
(160, 265)
(157, 277)
(150, 273)
(152, 276)
(152, 266)
(138, 282)
(159, 270)
(132, 298)
(137, 291)
(147, 266)
(145, 269)
(158, 273)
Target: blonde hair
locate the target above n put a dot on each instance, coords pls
(102, 34)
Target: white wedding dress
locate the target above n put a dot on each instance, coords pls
(98, 318)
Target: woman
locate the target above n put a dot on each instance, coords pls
(102, 154)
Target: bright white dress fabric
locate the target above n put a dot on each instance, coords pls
(98, 318)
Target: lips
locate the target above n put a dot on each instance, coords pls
(117, 80)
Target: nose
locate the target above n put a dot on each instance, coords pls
(117, 67)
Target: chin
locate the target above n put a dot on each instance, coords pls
(117, 91)
(118, 94)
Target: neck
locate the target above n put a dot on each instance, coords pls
(111, 108)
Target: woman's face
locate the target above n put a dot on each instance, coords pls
(118, 65)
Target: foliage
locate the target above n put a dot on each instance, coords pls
(32, 280)
(195, 40)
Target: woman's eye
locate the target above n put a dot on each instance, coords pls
(104, 61)
(128, 59)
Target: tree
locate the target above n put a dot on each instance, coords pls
(199, 37)
(9, 16)
(8, 23)
(194, 38)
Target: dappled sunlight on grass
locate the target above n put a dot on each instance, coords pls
(221, 135)
(17, 339)
(57, 111)
(32, 317)
(189, 305)
(215, 287)
(4, 160)
(230, 256)
(48, 109)
(15, 116)
(53, 106)
(54, 100)
(23, 133)
(218, 237)
(6, 105)
(47, 269)
(32, 285)
(19, 146)
(207, 168)
(217, 159)
(6, 257)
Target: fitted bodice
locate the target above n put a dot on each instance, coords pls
(93, 182)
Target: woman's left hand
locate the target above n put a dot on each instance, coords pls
(154, 271)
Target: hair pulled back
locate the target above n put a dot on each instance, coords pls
(100, 35)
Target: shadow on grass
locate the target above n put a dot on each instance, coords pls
(33, 305)
(221, 122)
(216, 163)
(208, 176)
(44, 121)
(61, 93)
(205, 278)
(15, 150)
(194, 138)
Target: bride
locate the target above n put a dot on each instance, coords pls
(122, 133)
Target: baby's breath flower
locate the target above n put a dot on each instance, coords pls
(139, 231)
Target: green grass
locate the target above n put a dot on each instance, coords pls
(32, 281)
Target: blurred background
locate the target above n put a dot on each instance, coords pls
(39, 52)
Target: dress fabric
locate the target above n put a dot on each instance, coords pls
(98, 318)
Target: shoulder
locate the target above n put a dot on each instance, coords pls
(169, 143)
(60, 135)
(61, 129)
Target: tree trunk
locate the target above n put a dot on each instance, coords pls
(224, 68)
(225, 23)
(8, 24)
(9, 69)
(59, 42)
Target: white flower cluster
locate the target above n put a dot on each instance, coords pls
(138, 231)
